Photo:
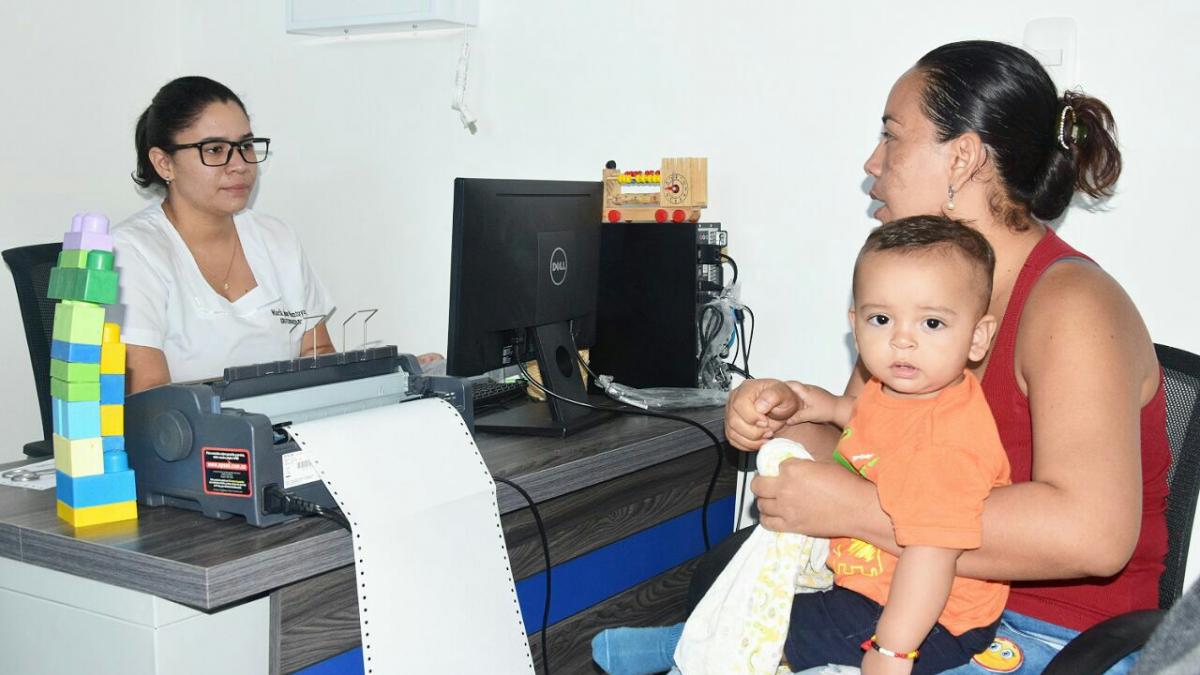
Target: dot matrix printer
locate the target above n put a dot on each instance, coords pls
(219, 446)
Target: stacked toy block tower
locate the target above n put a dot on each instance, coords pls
(87, 381)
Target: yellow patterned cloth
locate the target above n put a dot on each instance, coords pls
(740, 625)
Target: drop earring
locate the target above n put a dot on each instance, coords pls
(950, 201)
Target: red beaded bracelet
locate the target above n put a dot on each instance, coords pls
(872, 644)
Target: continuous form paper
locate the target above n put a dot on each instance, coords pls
(436, 591)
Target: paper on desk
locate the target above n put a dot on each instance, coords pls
(44, 481)
(436, 589)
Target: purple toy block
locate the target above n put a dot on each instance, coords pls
(88, 231)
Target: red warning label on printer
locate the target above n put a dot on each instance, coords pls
(227, 472)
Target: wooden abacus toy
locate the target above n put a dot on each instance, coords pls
(682, 191)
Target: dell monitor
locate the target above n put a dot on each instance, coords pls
(523, 276)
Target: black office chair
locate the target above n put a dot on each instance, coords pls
(30, 267)
(1098, 648)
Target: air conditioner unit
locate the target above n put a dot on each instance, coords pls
(360, 17)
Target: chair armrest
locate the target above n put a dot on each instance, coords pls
(1096, 649)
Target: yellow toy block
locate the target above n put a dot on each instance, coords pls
(112, 351)
(112, 420)
(97, 515)
(80, 457)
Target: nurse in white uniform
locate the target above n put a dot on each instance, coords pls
(205, 282)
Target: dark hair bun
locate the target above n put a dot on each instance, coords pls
(1003, 94)
(1094, 142)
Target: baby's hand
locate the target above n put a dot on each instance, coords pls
(814, 403)
(756, 410)
(776, 403)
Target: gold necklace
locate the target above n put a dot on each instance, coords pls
(169, 212)
(237, 247)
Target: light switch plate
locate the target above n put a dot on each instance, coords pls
(1053, 42)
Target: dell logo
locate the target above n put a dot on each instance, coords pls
(558, 266)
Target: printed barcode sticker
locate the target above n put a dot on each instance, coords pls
(298, 470)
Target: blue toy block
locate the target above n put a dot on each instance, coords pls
(76, 419)
(112, 389)
(106, 488)
(74, 352)
(113, 443)
(115, 461)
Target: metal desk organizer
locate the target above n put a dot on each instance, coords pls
(215, 446)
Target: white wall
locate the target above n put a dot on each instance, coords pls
(784, 98)
(74, 76)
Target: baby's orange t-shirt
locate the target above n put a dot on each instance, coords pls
(933, 462)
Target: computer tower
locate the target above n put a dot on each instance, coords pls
(654, 280)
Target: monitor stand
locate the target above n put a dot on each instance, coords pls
(559, 366)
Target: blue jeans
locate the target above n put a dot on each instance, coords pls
(1024, 645)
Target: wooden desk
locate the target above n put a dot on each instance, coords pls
(287, 590)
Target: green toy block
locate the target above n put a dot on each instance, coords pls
(97, 286)
(76, 372)
(100, 260)
(80, 322)
(60, 282)
(73, 257)
(74, 391)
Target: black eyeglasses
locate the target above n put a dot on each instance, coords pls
(218, 153)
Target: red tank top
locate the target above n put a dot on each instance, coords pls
(1081, 603)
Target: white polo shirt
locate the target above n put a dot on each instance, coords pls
(166, 303)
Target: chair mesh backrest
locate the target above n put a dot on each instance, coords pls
(30, 266)
(1181, 380)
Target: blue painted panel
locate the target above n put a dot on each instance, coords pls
(346, 663)
(595, 576)
(600, 574)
